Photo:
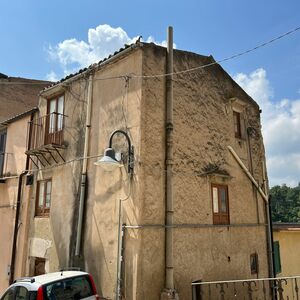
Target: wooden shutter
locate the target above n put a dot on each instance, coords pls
(2, 150)
(277, 257)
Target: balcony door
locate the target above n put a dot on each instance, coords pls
(55, 114)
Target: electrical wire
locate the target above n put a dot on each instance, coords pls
(221, 60)
(155, 170)
(191, 69)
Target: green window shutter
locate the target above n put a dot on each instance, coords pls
(277, 257)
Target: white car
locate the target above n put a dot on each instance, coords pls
(64, 285)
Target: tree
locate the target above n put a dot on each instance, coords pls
(285, 203)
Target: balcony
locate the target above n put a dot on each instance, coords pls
(278, 288)
(45, 138)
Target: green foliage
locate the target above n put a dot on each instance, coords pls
(285, 203)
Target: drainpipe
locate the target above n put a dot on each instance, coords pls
(16, 227)
(169, 291)
(17, 216)
(272, 273)
(84, 166)
(251, 171)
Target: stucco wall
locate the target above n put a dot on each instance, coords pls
(289, 242)
(15, 162)
(7, 214)
(53, 236)
(15, 146)
(203, 128)
(116, 105)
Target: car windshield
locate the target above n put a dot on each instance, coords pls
(69, 289)
(19, 293)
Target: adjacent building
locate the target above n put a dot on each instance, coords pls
(18, 103)
(286, 243)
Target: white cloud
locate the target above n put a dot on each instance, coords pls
(280, 125)
(52, 76)
(102, 41)
(151, 39)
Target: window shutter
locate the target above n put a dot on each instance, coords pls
(277, 257)
(2, 150)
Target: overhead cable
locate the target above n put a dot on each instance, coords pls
(187, 70)
(222, 60)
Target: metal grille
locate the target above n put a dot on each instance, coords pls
(279, 288)
(46, 130)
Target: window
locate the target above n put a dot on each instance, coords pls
(254, 263)
(196, 291)
(78, 287)
(21, 293)
(2, 150)
(43, 197)
(277, 260)
(55, 120)
(9, 295)
(237, 124)
(220, 204)
(39, 266)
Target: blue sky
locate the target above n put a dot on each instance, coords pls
(47, 39)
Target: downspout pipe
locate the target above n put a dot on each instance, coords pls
(268, 209)
(169, 290)
(16, 228)
(84, 167)
(18, 208)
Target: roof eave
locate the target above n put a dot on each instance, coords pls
(18, 117)
(60, 86)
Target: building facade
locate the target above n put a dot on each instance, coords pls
(18, 99)
(76, 208)
(286, 241)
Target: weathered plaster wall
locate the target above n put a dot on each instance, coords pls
(289, 242)
(203, 128)
(14, 166)
(57, 230)
(151, 161)
(7, 214)
(116, 105)
(15, 147)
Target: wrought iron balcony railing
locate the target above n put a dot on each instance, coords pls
(279, 288)
(46, 130)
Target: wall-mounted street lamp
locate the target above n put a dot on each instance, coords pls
(109, 160)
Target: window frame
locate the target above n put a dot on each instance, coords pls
(37, 261)
(237, 124)
(277, 258)
(220, 218)
(43, 211)
(196, 290)
(3, 138)
(254, 263)
(56, 121)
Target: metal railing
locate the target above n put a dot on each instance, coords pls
(279, 288)
(46, 130)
